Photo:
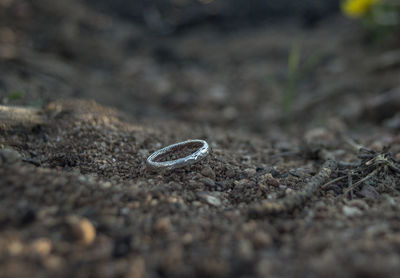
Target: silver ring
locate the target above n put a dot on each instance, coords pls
(153, 161)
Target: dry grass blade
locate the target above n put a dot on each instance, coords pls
(333, 181)
(353, 186)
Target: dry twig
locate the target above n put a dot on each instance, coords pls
(294, 201)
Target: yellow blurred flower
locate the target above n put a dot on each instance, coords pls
(357, 8)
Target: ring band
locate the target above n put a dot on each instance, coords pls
(199, 154)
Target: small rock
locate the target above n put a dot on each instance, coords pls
(208, 182)
(250, 172)
(351, 211)
(360, 204)
(9, 156)
(82, 229)
(42, 246)
(207, 171)
(261, 239)
(15, 248)
(263, 187)
(270, 180)
(289, 191)
(212, 200)
(163, 225)
(230, 173)
(187, 238)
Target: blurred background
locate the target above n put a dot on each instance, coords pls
(229, 63)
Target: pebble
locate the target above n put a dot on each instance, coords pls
(15, 248)
(289, 191)
(360, 204)
(9, 156)
(210, 199)
(230, 173)
(42, 246)
(250, 172)
(208, 182)
(187, 238)
(261, 239)
(82, 229)
(163, 225)
(270, 180)
(207, 171)
(351, 211)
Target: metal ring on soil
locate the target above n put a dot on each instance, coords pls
(198, 155)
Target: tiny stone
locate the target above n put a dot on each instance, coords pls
(208, 182)
(360, 204)
(9, 156)
(163, 225)
(250, 172)
(272, 196)
(82, 229)
(230, 173)
(351, 211)
(207, 171)
(271, 180)
(263, 187)
(42, 246)
(106, 184)
(124, 211)
(187, 238)
(289, 191)
(212, 200)
(15, 248)
(261, 239)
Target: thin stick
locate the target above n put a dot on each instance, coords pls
(294, 201)
(333, 181)
(360, 181)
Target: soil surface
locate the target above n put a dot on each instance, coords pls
(303, 176)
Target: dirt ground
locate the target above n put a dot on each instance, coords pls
(303, 178)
